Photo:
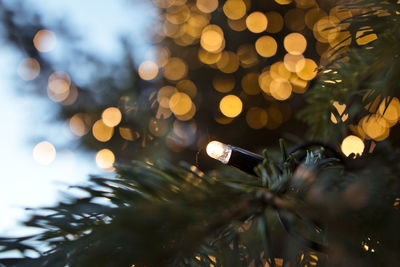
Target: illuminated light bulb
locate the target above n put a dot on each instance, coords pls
(236, 157)
(219, 151)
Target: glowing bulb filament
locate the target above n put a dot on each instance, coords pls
(219, 151)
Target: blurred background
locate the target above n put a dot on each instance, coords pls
(86, 84)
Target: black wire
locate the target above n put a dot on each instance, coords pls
(305, 146)
(310, 243)
(285, 224)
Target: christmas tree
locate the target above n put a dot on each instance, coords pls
(330, 201)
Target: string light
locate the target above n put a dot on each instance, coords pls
(219, 151)
(234, 156)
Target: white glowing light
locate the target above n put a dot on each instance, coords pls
(219, 151)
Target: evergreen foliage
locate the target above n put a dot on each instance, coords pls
(309, 207)
(363, 74)
(333, 212)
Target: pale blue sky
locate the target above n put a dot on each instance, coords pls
(25, 119)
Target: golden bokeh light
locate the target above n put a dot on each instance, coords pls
(283, 2)
(264, 81)
(340, 12)
(294, 19)
(170, 29)
(175, 69)
(164, 94)
(231, 106)
(180, 103)
(295, 43)
(247, 55)
(28, 69)
(78, 124)
(340, 109)
(371, 104)
(102, 132)
(158, 127)
(72, 96)
(163, 113)
(309, 71)
(162, 55)
(187, 87)
(365, 36)
(375, 127)
(111, 116)
(58, 96)
(279, 72)
(234, 9)
(326, 28)
(59, 75)
(59, 82)
(223, 120)
(178, 14)
(313, 15)
(164, 3)
(105, 159)
(237, 25)
(342, 39)
(44, 153)
(266, 46)
(189, 115)
(275, 22)
(256, 22)
(229, 62)
(352, 144)
(294, 63)
(148, 70)
(45, 41)
(256, 118)
(299, 85)
(250, 84)
(280, 89)
(128, 134)
(224, 83)
(212, 39)
(58, 88)
(306, 3)
(207, 6)
(208, 58)
(390, 111)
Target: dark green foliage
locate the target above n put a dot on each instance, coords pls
(359, 75)
(156, 215)
(163, 215)
(309, 207)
